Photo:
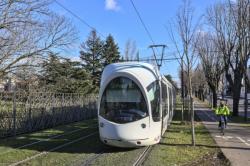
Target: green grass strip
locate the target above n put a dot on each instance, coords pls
(16, 154)
(175, 147)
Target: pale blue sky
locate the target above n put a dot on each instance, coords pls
(117, 17)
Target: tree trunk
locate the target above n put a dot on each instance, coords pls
(203, 96)
(214, 98)
(191, 107)
(245, 95)
(246, 102)
(236, 98)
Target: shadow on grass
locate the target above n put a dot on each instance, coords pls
(91, 144)
(46, 140)
(240, 119)
(49, 139)
(197, 131)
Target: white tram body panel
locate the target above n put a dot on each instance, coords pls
(131, 109)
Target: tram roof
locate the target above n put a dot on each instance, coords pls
(146, 73)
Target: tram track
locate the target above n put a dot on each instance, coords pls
(53, 149)
(112, 155)
(59, 142)
(101, 154)
(98, 154)
(140, 160)
(48, 139)
(106, 152)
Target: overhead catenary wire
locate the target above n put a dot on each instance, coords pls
(143, 24)
(150, 59)
(81, 20)
(78, 17)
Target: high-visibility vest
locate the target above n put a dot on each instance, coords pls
(222, 111)
(226, 110)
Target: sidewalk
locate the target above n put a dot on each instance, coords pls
(235, 144)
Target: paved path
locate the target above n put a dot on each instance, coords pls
(235, 144)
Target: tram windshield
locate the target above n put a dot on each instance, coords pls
(123, 102)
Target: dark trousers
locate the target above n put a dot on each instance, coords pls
(222, 118)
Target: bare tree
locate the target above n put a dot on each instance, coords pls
(130, 50)
(183, 76)
(29, 29)
(186, 31)
(230, 22)
(211, 61)
(199, 82)
(243, 46)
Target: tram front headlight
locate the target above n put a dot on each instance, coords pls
(143, 125)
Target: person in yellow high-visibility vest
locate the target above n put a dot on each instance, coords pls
(222, 112)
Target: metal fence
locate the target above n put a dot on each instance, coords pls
(22, 112)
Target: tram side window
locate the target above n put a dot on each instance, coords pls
(174, 98)
(154, 97)
(170, 99)
(164, 99)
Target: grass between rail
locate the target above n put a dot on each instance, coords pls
(15, 150)
(175, 147)
(24, 146)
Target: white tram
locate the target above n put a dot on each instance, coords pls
(136, 104)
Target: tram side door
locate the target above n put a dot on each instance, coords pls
(164, 107)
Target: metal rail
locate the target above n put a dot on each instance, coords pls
(53, 149)
(143, 156)
(91, 159)
(48, 139)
